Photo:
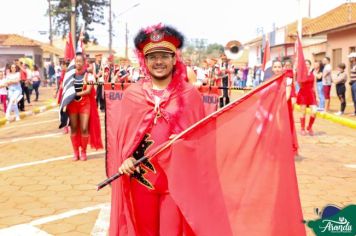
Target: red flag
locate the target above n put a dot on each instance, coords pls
(69, 50)
(210, 96)
(267, 62)
(302, 72)
(233, 172)
(113, 98)
(266, 55)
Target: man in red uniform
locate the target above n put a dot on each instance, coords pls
(160, 105)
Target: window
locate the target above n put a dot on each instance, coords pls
(319, 56)
(337, 57)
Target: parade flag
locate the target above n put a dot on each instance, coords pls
(69, 50)
(302, 71)
(68, 93)
(80, 44)
(233, 172)
(113, 97)
(210, 96)
(267, 62)
(68, 56)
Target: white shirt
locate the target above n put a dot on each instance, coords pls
(327, 80)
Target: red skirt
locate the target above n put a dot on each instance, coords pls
(306, 95)
(79, 107)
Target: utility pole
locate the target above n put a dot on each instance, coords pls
(72, 22)
(126, 41)
(110, 28)
(300, 18)
(50, 22)
(50, 27)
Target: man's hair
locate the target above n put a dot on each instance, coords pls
(327, 58)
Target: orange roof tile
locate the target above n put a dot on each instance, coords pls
(292, 28)
(16, 40)
(51, 49)
(338, 17)
(255, 40)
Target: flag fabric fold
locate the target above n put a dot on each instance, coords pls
(302, 71)
(68, 94)
(69, 50)
(266, 61)
(233, 172)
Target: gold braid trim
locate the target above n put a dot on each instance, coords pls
(162, 44)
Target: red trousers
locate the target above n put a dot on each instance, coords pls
(155, 211)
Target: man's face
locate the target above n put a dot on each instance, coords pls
(160, 64)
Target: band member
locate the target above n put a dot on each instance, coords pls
(97, 72)
(306, 98)
(225, 74)
(289, 73)
(158, 106)
(109, 70)
(83, 115)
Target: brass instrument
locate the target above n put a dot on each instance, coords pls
(233, 50)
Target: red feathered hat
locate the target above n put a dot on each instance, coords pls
(158, 38)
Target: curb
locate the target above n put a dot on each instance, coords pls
(331, 117)
(34, 111)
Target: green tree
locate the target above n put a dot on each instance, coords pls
(201, 51)
(214, 48)
(91, 11)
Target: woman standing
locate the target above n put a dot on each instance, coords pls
(340, 81)
(36, 81)
(318, 74)
(3, 90)
(83, 115)
(352, 82)
(14, 91)
(306, 98)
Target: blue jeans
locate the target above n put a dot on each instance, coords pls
(320, 91)
(353, 92)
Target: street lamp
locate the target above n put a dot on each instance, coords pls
(126, 28)
(110, 22)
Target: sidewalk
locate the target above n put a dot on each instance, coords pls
(348, 119)
(45, 102)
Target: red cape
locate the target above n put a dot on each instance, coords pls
(182, 107)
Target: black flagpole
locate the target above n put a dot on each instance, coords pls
(122, 84)
(118, 175)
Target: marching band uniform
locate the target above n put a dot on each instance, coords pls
(85, 105)
(141, 203)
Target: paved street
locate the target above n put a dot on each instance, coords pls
(44, 193)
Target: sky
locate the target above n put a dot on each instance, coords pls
(217, 21)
